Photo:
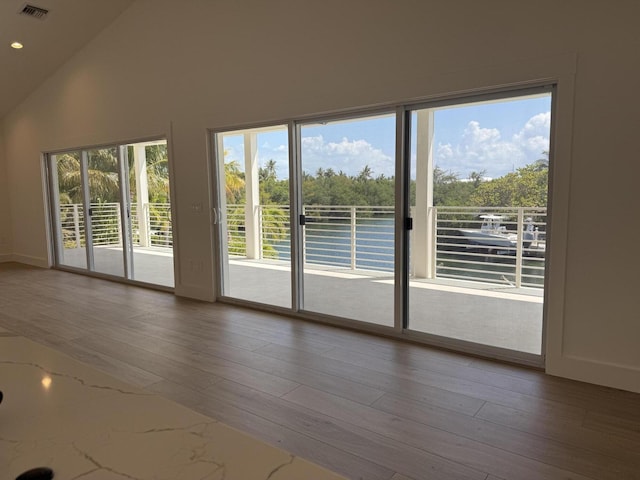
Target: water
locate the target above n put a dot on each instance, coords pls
(330, 244)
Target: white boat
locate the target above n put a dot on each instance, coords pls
(492, 234)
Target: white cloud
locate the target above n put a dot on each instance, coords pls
(485, 149)
(349, 156)
(534, 136)
(474, 134)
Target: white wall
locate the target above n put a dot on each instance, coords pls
(5, 219)
(180, 67)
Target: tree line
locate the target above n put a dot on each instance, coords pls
(524, 187)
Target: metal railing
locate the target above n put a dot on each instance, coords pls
(275, 240)
(356, 237)
(514, 255)
(362, 237)
(158, 225)
(72, 225)
(106, 227)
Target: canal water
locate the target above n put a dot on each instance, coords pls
(331, 245)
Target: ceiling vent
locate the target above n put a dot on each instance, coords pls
(34, 12)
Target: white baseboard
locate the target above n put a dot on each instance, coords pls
(29, 260)
(6, 257)
(195, 292)
(623, 377)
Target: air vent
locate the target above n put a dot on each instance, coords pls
(34, 12)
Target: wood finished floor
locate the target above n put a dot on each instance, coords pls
(363, 406)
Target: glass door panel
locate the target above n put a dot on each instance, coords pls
(150, 213)
(253, 215)
(479, 181)
(348, 203)
(105, 211)
(67, 201)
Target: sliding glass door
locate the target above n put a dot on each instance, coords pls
(348, 209)
(105, 211)
(428, 221)
(149, 211)
(68, 202)
(110, 210)
(479, 182)
(252, 215)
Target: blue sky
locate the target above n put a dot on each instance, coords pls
(495, 137)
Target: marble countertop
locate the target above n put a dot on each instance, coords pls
(84, 424)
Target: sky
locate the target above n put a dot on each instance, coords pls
(496, 138)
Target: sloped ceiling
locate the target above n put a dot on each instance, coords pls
(48, 43)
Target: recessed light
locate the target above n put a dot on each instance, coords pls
(17, 45)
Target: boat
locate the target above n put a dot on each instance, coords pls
(493, 234)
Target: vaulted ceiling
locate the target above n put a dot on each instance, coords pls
(48, 43)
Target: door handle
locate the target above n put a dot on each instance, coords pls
(408, 223)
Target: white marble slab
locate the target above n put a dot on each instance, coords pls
(84, 424)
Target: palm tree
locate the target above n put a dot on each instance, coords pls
(157, 173)
(233, 182)
(102, 172)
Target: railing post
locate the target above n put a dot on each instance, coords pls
(432, 260)
(144, 226)
(304, 238)
(76, 225)
(261, 231)
(519, 240)
(119, 237)
(353, 238)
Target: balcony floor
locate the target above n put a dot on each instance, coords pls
(151, 264)
(488, 314)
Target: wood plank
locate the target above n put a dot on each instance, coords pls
(399, 476)
(368, 445)
(211, 354)
(602, 399)
(297, 443)
(476, 385)
(556, 428)
(479, 453)
(174, 364)
(396, 381)
(615, 425)
(547, 451)
(191, 330)
(121, 370)
(155, 364)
